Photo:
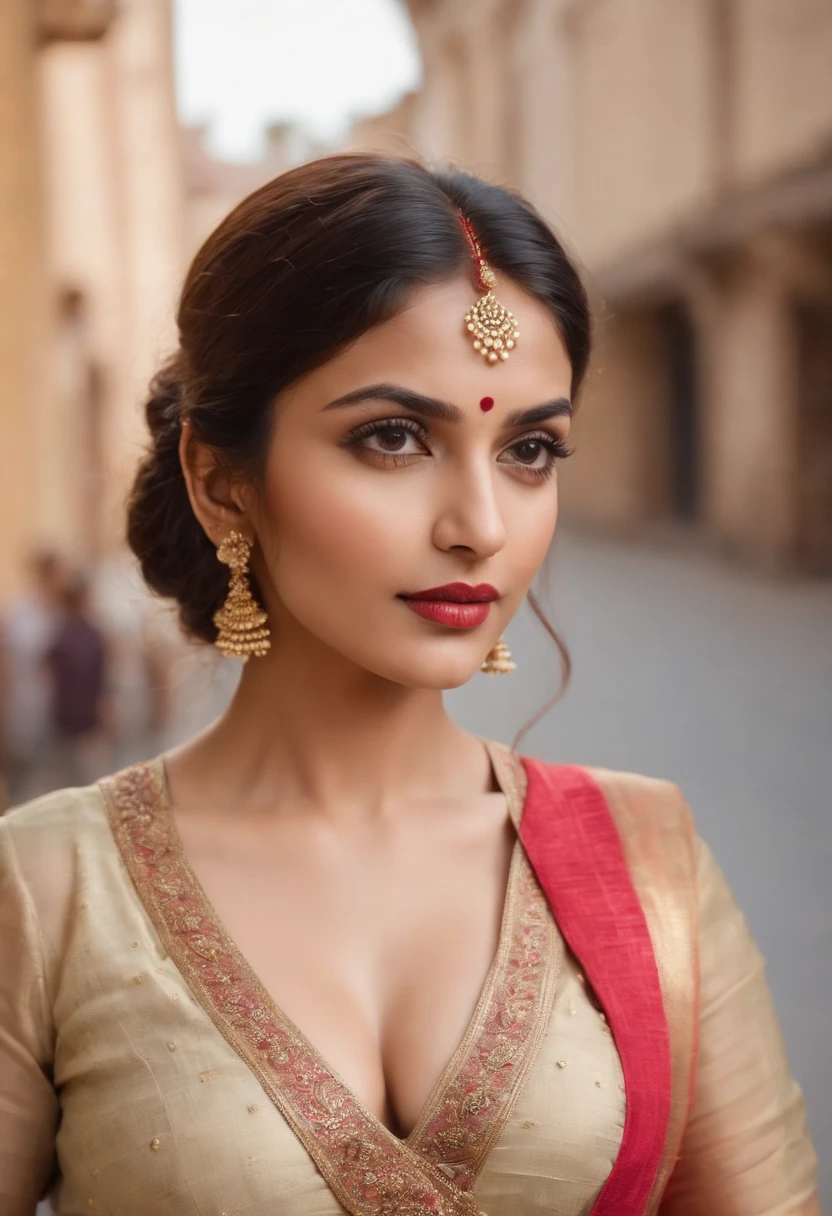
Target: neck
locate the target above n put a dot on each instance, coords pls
(323, 731)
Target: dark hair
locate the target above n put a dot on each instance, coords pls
(298, 270)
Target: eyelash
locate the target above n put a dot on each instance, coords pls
(557, 448)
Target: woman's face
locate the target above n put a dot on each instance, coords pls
(374, 491)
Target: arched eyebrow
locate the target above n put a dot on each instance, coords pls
(432, 407)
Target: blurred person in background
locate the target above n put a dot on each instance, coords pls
(27, 628)
(162, 686)
(189, 684)
(140, 664)
(77, 664)
(335, 953)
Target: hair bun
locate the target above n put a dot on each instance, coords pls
(177, 560)
(163, 409)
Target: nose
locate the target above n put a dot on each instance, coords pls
(468, 515)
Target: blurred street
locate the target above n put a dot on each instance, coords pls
(692, 669)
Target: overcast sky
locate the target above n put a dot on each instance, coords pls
(243, 63)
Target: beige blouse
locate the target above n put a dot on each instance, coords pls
(145, 1070)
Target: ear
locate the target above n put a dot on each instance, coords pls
(219, 500)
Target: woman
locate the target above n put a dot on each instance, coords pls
(336, 954)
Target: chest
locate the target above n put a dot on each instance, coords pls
(377, 948)
(163, 1111)
(185, 1088)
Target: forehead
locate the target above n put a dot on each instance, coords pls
(426, 347)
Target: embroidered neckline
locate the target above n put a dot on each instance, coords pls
(370, 1170)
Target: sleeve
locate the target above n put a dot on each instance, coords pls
(746, 1149)
(28, 1104)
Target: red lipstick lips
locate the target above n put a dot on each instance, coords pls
(456, 605)
(457, 593)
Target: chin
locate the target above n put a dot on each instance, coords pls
(436, 671)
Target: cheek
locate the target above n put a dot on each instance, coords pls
(329, 523)
(532, 532)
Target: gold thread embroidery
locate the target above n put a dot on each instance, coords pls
(494, 1060)
(369, 1170)
(511, 777)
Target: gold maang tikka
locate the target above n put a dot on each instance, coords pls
(242, 628)
(492, 327)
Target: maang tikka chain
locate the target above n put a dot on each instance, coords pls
(492, 327)
(242, 628)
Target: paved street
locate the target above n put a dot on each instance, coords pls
(691, 669)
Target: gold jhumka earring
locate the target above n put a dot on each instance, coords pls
(241, 622)
(498, 661)
(492, 327)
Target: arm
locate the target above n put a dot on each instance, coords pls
(28, 1105)
(746, 1149)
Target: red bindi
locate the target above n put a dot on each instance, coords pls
(487, 404)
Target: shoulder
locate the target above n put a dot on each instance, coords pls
(642, 796)
(644, 821)
(43, 842)
(67, 815)
(631, 797)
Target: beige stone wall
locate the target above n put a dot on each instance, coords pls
(85, 236)
(388, 133)
(23, 294)
(466, 108)
(783, 83)
(745, 310)
(115, 208)
(619, 478)
(578, 102)
(543, 131)
(92, 246)
(643, 124)
(749, 427)
(623, 117)
(152, 211)
(213, 186)
(437, 126)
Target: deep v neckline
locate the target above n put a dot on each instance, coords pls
(365, 1163)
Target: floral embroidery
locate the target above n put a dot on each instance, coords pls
(494, 1059)
(370, 1171)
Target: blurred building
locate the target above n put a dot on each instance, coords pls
(214, 186)
(103, 200)
(685, 152)
(91, 243)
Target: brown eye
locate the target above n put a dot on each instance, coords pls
(392, 438)
(535, 456)
(529, 451)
